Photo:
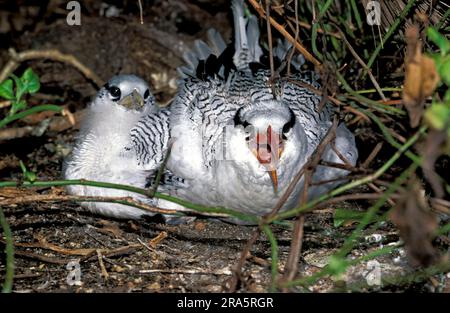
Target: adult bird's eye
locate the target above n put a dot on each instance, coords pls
(114, 92)
(238, 121)
(288, 126)
(146, 94)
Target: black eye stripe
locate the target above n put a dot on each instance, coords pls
(147, 94)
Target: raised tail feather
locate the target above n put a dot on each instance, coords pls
(246, 46)
(201, 53)
(246, 37)
(281, 51)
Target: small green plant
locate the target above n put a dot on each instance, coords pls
(27, 83)
(14, 89)
(28, 175)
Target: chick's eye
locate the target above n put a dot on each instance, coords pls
(115, 92)
(146, 94)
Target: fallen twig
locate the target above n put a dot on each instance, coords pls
(198, 209)
(199, 271)
(122, 200)
(54, 55)
(102, 265)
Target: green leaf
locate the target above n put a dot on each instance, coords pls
(20, 87)
(444, 69)
(22, 167)
(31, 81)
(439, 40)
(437, 115)
(6, 90)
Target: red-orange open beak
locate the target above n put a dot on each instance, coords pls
(268, 149)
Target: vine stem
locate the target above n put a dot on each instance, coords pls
(82, 182)
(36, 109)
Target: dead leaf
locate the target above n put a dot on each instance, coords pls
(44, 244)
(416, 223)
(421, 77)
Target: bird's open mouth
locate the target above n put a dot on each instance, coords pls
(267, 147)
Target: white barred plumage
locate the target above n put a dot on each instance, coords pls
(237, 135)
(108, 148)
(223, 164)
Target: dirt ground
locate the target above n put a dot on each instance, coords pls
(145, 255)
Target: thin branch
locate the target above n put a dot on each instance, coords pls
(237, 269)
(269, 37)
(362, 63)
(121, 200)
(319, 30)
(102, 265)
(184, 203)
(372, 155)
(141, 13)
(194, 271)
(285, 34)
(54, 55)
(297, 236)
(297, 30)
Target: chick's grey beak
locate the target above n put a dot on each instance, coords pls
(133, 101)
